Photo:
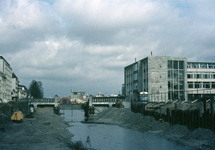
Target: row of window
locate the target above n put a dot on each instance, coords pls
(176, 74)
(104, 100)
(175, 85)
(172, 64)
(201, 75)
(201, 65)
(207, 85)
(175, 79)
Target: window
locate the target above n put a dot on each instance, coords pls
(206, 84)
(213, 75)
(195, 65)
(175, 85)
(198, 75)
(170, 74)
(189, 65)
(169, 64)
(175, 78)
(181, 65)
(190, 85)
(175, 64)
(181, 85)
(181, 74)
(205, 75)
(175, 74)
(203, 65)
(197, 84)
(170, 85)
(189, 75)
(211, 66)
(213, 85)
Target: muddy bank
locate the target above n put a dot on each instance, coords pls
(197, 139)
(45, 131)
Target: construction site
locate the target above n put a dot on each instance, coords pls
(176, 121)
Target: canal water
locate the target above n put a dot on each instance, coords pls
(106, 137)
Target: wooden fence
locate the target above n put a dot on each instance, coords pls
(191, 118)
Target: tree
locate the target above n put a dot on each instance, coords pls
(36, 89)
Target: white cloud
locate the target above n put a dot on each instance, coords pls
(84, 45)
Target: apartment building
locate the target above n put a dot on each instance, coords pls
(23, 92)
(75, 96)
(5, 79)
(15, 90)
(2, 86)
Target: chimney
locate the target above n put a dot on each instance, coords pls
(151, 53)
(135, 59)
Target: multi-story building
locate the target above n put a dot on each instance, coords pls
(23, 92)
(15, 90)
(6, 79)
(2, 86)
(169, 78)
(76, 96)
(200, 79)
(163, 78)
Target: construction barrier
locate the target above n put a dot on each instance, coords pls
(191, 118)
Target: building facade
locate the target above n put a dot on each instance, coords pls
(2, 86)
(200, 79)
(15, 90)
(23, 92)
(6, 79)
(76, 96)
(163, 78)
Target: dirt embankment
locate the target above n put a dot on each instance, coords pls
(197, 139)
(45, 131)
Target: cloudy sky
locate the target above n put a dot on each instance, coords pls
(84, 45)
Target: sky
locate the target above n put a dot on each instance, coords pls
(84, 45)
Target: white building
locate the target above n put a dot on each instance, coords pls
(169, 78)
(6, 79)
(76, 96)
(200, 79)
(15, 90)
(2, 86)
(23, 92)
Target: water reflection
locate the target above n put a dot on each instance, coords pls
(107, 137)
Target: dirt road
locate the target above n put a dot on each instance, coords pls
(45, 131)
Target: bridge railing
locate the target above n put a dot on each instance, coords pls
(44, 100)
(104, 100)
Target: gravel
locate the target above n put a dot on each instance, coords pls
(45, 131)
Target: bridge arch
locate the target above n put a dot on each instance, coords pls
(64, 100)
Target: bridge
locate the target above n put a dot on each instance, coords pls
(34, 102)
(104, 101)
